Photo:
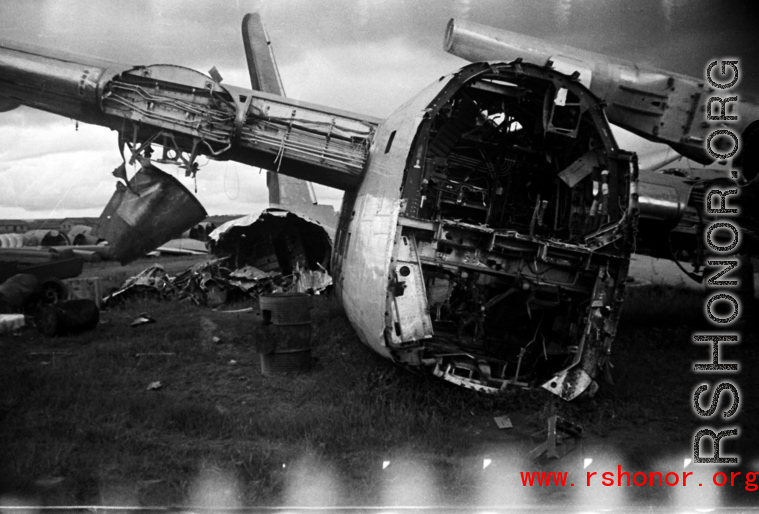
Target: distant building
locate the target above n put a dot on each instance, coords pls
(220, 219)
(69, 223)
(45, 224)
(13, 226)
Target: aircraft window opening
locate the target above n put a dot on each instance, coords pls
(390, 141)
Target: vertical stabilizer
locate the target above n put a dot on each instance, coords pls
(287, 192)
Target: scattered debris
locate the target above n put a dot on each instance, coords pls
(154, 386)
(146, 212)
(155, 354)
(81, 235)
(49, 482)
(11, 322)
(151, 280)
(45, 237)
(311, 281)
(215, 340)
(212, 283)
(182, 246)
(276, 252)
(142, 319)
(561, 438)
(503, 422)
(144, 484)
(236, 311)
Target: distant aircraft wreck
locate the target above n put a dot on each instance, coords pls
(487, 224)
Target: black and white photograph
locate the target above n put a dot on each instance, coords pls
(379, 256)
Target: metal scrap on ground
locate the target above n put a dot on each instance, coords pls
(142, 319)
(503, 422)
(11, 322)
(213, 283)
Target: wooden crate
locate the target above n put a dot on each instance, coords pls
(85, 288)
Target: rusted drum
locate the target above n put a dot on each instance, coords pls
(19, 290)
(67, 317)
(287, 333)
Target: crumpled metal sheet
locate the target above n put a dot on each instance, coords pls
(201, 283)
(11, 322)
(152, 279)
(251, 219)
(150, 210)
(252, 273)
(308, 281)
(253, 280)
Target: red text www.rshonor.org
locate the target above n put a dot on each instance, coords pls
(625, 479)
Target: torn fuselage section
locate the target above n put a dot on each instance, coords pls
(278, 241)
(511, 256)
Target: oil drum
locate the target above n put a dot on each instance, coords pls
(287, 333)
(68, 317)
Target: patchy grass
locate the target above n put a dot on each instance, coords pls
(79, 425)
(78, 408)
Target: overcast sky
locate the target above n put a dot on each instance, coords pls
(367, 56)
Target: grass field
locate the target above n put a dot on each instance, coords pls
(79, 425)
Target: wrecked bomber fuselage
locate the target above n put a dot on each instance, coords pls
(506, 252)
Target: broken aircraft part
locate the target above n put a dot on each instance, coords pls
(153, 209)
(49, 265)
(487, 224)
(213, 283)
(660, 106)
(11, 240)
(656, 104)
(45, 237)
(276, 240)
(499, 272)
(81, 235)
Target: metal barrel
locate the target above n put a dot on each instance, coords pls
(68, 317)
(287, 330)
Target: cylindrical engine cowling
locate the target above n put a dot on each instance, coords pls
(659, 202)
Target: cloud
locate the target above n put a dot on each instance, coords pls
(73, 180)
(367, 56)
(344, 77)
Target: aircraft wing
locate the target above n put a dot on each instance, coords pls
(658, 105)
(190, 114)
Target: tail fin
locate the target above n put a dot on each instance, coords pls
(287, 192)
(264, 75)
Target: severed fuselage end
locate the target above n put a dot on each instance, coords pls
(514, 234)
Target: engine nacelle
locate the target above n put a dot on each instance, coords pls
(655, 104)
